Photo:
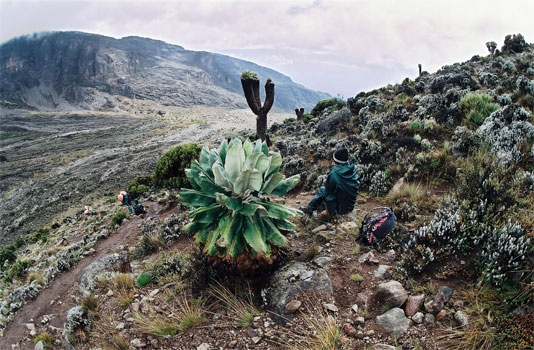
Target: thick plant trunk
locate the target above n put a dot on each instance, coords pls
(251, 88)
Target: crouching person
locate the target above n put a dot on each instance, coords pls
(340, 191)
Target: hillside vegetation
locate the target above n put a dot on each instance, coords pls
(452, 153)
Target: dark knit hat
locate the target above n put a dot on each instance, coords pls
(341, 156)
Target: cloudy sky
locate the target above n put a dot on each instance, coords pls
(337, 46)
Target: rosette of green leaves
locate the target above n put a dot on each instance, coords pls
(230, 192)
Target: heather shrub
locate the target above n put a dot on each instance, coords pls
(327, 106)
(505, 131)
(170, 169)
(476, 224)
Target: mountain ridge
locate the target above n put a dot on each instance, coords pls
(77, 70)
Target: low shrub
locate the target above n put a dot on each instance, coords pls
(477, 107)
(118, 218)
(170, 168)
(139, 185)
(143, 279)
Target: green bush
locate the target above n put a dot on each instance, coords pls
(7, 255)
(139, 185)
(143, 279)
(477, 107)
(17, 270)
(332, 104)
(170, 169)
(116, 220)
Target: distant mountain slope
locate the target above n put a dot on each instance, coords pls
(72, 70)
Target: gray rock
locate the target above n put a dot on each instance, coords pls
(418, 318)
(429, 319)
(291, 281)
(383, 272)
(391, 293)
(39, 345)
(394, 322)
(76, 319)
(382, 347)
(322, 261)
(462, 318)
(113, 262)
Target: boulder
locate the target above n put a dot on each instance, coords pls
(391, 293)
(291, 281)
(394, 322)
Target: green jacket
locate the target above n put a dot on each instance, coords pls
(342, 188)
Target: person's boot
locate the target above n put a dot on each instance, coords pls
(306, 211)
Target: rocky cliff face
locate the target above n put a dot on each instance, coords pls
(73, 70)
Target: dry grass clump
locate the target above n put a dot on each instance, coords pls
(240, 310)
(315, 329)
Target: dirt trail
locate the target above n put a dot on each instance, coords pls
(60, 295)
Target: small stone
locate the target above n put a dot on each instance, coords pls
(418, 317)
(355, 308)
(120, 326)
(154, 292)
(39, 345)
(390, 255)
(383, 272)
(292, 306)
(462, 318)
(137, 343)
(349, 330)
(331, 307)
(203, 346)
(360, 320)
(31, 328)
(256, 340)
(232, 344)
(135, 307)
(429, 319)
(320, 228)
(322, 261)
(414, 303)
(109, 293)
(441, 315)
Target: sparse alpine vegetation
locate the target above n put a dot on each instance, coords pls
(452, 153)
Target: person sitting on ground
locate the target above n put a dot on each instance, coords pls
(338, 195)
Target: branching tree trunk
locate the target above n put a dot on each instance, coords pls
(300, 114)
(251, 88)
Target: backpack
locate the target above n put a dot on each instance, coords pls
(376, 227)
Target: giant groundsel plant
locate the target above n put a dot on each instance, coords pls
(231, 190)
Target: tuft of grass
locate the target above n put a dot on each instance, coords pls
(47, 339)
(190, 312)
(124, 283)
(491, 324)
(318, 331)
(37, 277)
(156, 324)
(356, 249)
(241, 311)
(311, 253)
(89, 303)
(105, 334)
(406, 191)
